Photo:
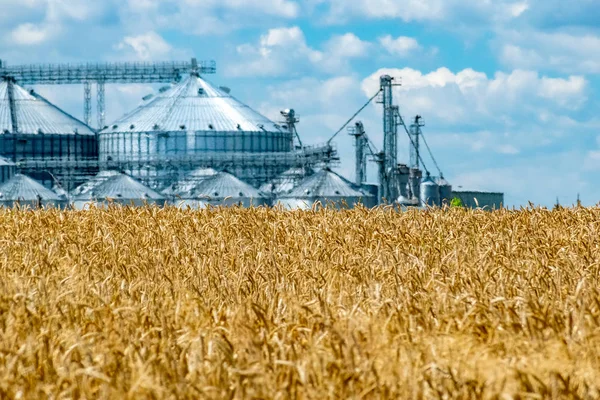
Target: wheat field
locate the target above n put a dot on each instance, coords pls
(269, 304)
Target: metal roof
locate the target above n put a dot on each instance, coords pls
(120, 186)
(193, 105)
(221, 186)
(21, 187)
(324, 184)
(94, 182)
(286, 181)
(5, 162)
(190, 180)
(36, 115)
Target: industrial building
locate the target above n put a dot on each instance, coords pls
(192, 118)
(33, 131)
(485, 200)
(25, 192)
(194, 144)
(118, 189)
(220, 189)
(325, 188)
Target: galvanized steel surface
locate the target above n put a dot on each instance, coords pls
(23, 188)
(94, 182)
(36, 115)
(119, 187)
(195, 105)
(220, 186)
(325, 187)
(286, 181)
(324, 183)
(430, 192)
(190, 180)
(445, 190)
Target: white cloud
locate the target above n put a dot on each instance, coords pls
(30, 34)
(469, 97)
(148, 46)
(284, 51)
(560, 51)
(401, 46)
(202, 17)
(347, 46)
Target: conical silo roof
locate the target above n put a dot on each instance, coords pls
(324, 184)
(287, 181)
(5, 162)
(94, 182)
(193, 105)
(190, 180)
(35, 114)
(220, 186)
(120, 187)
(23, 188)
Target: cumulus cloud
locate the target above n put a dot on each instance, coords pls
(559, 51)
(401, 46)
(203, 17)
(148, 46)
(284, 51)
(469, 96)
(28, 34)
(469, 11)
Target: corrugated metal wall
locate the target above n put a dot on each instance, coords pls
(489, 200)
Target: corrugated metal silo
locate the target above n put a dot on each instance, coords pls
(190, 180)
(430, 192)
(221, 189)
(23, 191)
(118, 189)
(414, 183)
(286, 181)
(93, 182)
(327, 188)
(34, 132)
(191, 117)
(8, 169)
(445, 189)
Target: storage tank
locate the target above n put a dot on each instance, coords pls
(23, 191)
(94, 182)
(188, 182)
(8, 169)
(414, 183)
(191, 117)
(221, 189)
(445, 189)
(118, 189)
(327, 188)
(430, 192)
(286, 181)
(41, 138)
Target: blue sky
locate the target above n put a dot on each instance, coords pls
(508, 88)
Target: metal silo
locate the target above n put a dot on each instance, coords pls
(46, 143)
(445, 189)
(430, 192)
(286, 181)
(191, 117)
(414, 184)
(23, 191)
(8, 169)
(93, 182)
(188, 182)
(118, 189)
(327, 188)
(221, 189)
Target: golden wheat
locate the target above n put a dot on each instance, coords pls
(266, 303)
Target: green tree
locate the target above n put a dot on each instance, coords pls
(456, 202)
